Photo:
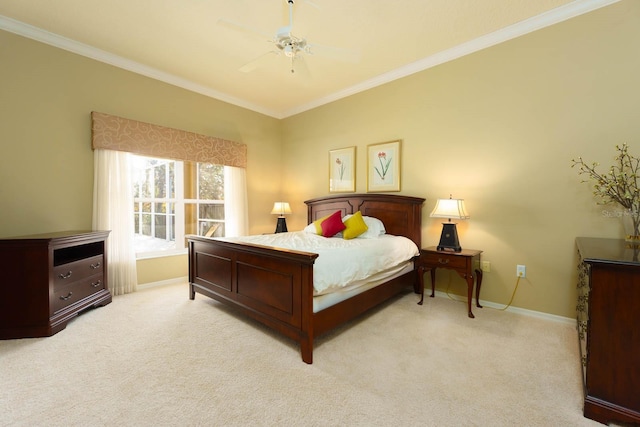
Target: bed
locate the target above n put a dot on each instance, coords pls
(275, 286)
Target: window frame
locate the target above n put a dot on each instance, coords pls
(179, 205)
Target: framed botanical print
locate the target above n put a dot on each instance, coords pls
(383, 167)
(342, 170)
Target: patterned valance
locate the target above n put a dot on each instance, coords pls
(118, 134)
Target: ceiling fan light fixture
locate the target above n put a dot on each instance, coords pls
(285, 42)
(289, 51)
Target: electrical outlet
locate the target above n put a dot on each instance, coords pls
(521, 271)
(486, 266)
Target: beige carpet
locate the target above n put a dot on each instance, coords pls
(156, 358)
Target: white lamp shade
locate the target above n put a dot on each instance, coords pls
(450, 208)
(281, 208)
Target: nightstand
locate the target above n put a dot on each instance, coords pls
(465, 263)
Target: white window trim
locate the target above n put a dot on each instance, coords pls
(161, 254)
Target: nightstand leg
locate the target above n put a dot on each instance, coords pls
(433, 282)
(470, 294)
(421, 282)
(478, 284)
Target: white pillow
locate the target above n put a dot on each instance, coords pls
(311, 228)
(375, 227)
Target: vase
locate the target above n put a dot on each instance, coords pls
(631, 224)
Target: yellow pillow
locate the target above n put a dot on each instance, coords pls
(355, 226)
(317, 224)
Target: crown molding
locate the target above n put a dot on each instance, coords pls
(546, 19)
(555, 16)
(34, 33)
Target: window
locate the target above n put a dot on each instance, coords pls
(174, 198)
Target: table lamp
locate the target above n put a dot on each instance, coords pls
(449, 208)
(282, 209)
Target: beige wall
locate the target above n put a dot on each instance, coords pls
(497, 128)
(46, 162)
(161, 269)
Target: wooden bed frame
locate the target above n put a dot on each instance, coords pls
(275, 286)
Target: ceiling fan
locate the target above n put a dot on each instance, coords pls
(289, 45)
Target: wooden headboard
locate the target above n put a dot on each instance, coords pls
(401, 215)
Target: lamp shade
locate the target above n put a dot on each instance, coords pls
(281, 208)
(450, 208)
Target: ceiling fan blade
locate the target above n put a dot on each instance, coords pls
(259, 61)
(243, 28)
(337, 53)
(299, 66)
(310, 3)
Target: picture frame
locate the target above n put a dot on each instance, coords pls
(383, 166)
(342, 170)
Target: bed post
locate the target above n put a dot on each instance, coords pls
(307, 319)
(192, 268)
(306, 349)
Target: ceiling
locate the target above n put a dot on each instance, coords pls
(199, 45)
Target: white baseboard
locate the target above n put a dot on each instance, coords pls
(517, 310)
(143, 286)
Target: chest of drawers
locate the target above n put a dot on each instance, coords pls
(608, 315)
(47, 279)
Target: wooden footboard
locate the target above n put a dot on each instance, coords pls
(272, 286)
(275, 286)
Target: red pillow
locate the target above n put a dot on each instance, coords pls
(332, 225)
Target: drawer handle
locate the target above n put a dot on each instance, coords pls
(65, 276)
(96, 284)
(67, 297)
(96, 265)
(443, 261)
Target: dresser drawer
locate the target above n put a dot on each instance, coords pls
(65, 296)
(71, 272)
(437, 260)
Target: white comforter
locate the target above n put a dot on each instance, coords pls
(341, 261)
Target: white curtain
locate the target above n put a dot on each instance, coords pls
(113, 210)
(236, 211)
